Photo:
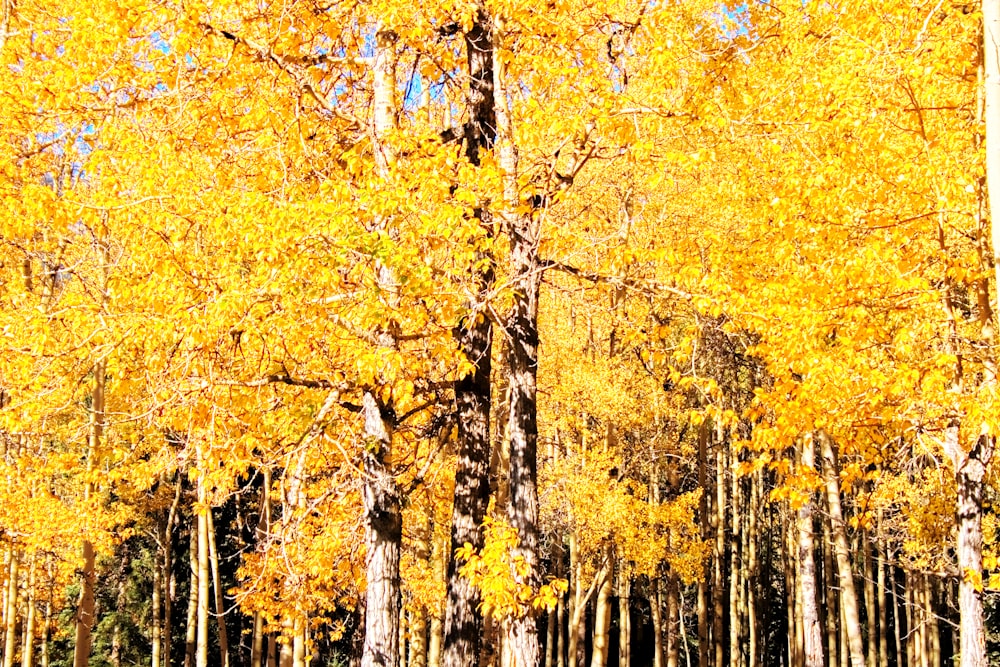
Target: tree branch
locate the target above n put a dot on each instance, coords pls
(291, 67)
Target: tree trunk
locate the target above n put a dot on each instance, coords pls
(384, 537)
(969, 472)
(848, 593)
(933, 631)
(602, 618)
(624, 618)
(735, 574)
(550, 638)
(85, 606)
(522, 368)
(656, 612)
(47, 620)
(435, 640)
(436, 632)
(575, 599)
(812, 636)
(381, 494)
(10, 643)
(578, 607)
(682, 626)
(5, 591)
(870, 612)
(883, 608)
(752, 574)
(913, 647)
(673, 624)
(154, 611)
(116, 637)
(167, 577)
(220, 605)
(285, 657)
(463, 621)
(191, 632)
(299, 643)
(793, 594)
(28, 649)
(418, 638)
(844, 650)
(898, 617)
(704, 521)
(719, 523)
(828, 612)
(561, 633)
(201, 648)
(257, 641)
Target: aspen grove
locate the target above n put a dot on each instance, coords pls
(499, 333)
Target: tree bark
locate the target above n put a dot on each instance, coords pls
(704, 522)
(624, 618)
(736, 574)
(299, 642)
(561, 633)
(154, 621)
(673, 639)
(969, 473)
(10, 643)
(812, 636)
(116, 636)
(463, 620)
(793, 594)
(28, 649)
(220, 605)
(47, 619)
(883, 608)
(656, 611)
(550, 638)
(752, 574)
(201, 647)
(167, 577)
(522, 368)
(898, 617)
(933, 631)
(719, 523)
(384, 532)
(829, 612)
(381, 494)
(257, 641)
(848, 592)
(870, 612)
(435, 638)
(913, 645)
(191, 632)
(85, 605)
(602, 617)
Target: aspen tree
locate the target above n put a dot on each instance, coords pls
(848, 594)
(10, 616)
(463, 621)
(384, 523)
(806, 574)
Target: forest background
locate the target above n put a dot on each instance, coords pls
(479, 331)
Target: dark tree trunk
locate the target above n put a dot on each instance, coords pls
(463, 621)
